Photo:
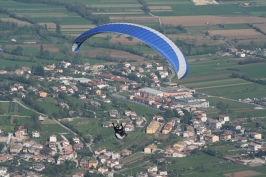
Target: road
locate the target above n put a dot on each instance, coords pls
(159, 129)
(61, 134)
(159, 20)
(116, 95)
(59, 123)
(233, 100)
(7, 142)
(68, 129)
(172, 75)
(14, 100)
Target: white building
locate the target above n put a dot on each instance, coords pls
(223, 119)
(53, 138)
(253, 147)
(35, 134)
(152, 92)
(214, 124)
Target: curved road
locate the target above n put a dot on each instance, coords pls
(173, 73)
(59, 123)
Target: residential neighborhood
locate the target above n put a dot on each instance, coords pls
(182, 82)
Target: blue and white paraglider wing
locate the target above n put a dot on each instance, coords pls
(151, 37)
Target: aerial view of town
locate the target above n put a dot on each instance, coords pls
(58, 107)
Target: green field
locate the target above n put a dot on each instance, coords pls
(94, 128)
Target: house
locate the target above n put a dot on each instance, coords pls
(113, 113)
(100, 151)
(35, 134)
(151, 169)
(42, 94)
(112, 163)
(103, 158)
(180, 145)
(153, 127)
(59, 70)
(139, 121)
(3, 172)
(6, 157)
(52, 138)
(82, 97)
(65, 143)
(211, 138)
(234, 127)
(141, 174)
(168, 127)
(225, 136)
(223, 118)
(21, 95)
(214, 124)
(93, 163)
(115, 155)
(38, 167)
(78, 146)
(126, 64)
(107, 124)
(150, 149)
(125, 152)
(103, 169)
(242, 142)
(16, 148)
(78, 174)
(255, 135)
(84, 163)
(158, 118)
(202, 117)
(123, 87)
(129, 127)
(20, 133)
(253, 147)
(76, 140)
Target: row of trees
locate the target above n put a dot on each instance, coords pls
(245, 77)
(248, 61)
(252, 45)
(193, 49)
(144, 6)
(256, 28)
(13, 15)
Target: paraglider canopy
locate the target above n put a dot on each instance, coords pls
(151, 37)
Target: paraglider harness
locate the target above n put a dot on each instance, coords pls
(119, 131)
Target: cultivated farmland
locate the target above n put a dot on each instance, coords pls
(19, 22)
(211, 20)
(247, 173)
(238, 34)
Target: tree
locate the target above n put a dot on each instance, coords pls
(46, 150)
(58, 28)
(17, 51)
(169, 113)
(38, 70)
(41, 51)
